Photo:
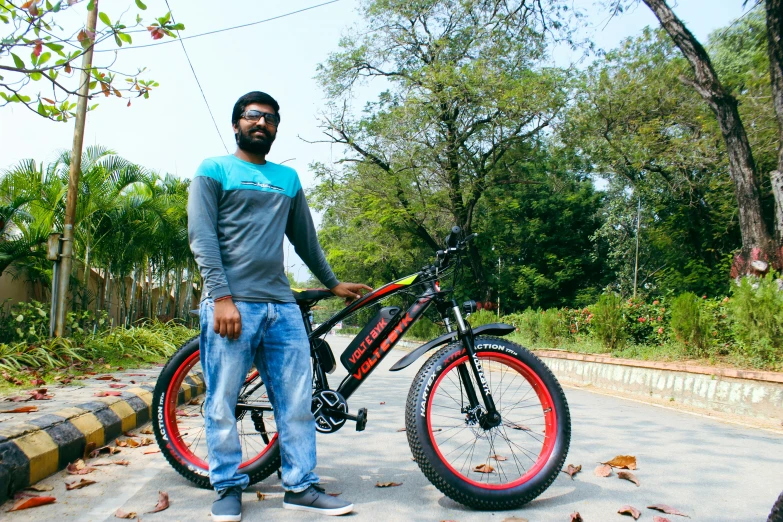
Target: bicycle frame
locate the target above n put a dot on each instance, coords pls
(378, 348)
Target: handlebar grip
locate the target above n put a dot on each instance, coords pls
(452, 240)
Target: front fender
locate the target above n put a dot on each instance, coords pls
(486, 329)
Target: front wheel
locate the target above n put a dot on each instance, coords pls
(465, 457)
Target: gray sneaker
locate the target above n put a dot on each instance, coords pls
(228, 506)
(315, 500)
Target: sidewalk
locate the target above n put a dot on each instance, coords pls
(66, 420)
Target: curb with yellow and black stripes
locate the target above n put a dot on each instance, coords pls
(36, 449)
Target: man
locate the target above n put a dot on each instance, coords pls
(239, 208)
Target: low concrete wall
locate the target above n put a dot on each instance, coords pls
(739, 392)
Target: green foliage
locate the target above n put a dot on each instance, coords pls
(527, 323)
(35, 26)
(553, 327)
(608, 322)
(152, 342)
(757, 319)
(129, 223)
(692, 324)
(482, 317)
(424, 330)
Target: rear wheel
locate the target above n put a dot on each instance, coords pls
(465, 456)
(178, 420)
(777, 511)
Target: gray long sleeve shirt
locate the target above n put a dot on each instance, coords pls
(238, 213)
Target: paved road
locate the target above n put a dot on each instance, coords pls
(709, 470)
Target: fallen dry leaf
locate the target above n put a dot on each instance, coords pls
(604, 470)
(520, 427)
(667, 509)
(183, 413)
(121, 443)
(622, 461)
(661, 519)
(151, 451)
(146, 431)
(335, 493)
(109, 393)
(78, 468)
(383, 402)
(133, 443)
(129, 434)
(627, 475)
(104, 377)
(31, 502)
(499, 458)
(122, 514)
(40, 488)
(23, 409)
(194, 402)
(163, 502)
(117, 386)
(136, 374)
(260, 496)
(387, 484)
(88, 449)
(484, 468)
(401, 429)
(146, 441)
(38, 382)
(572, 470)
(630, 510)
(576, 517)
(78, 485)
(111, 450)
(40, 395)
(121, 462)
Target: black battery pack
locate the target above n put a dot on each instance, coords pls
(366, 341)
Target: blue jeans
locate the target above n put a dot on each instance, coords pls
(274, 338)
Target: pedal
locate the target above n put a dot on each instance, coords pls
(361, 419)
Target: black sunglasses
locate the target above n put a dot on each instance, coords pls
(254, 115)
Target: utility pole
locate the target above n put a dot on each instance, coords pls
(66, 256)
(636, 263)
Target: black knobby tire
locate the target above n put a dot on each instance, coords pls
(180, 385)
(539, 396)
(777, 511)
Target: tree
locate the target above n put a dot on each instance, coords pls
(55, 50)
(757, 242)
(651, 136)
(466, 85)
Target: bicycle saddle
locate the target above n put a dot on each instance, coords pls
(311, 296)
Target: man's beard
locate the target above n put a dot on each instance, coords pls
(255, 145)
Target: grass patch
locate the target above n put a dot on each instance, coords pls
(60, 360)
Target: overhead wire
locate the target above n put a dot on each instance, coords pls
(291, 13)
(209, 109)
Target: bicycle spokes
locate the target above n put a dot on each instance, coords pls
(482, 451)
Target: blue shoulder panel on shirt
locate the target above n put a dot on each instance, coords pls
(236, 174)
(211, 168)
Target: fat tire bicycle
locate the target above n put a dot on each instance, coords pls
(487, 422)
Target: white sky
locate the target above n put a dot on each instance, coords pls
(172, 131)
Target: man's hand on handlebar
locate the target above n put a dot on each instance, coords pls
(349, 291)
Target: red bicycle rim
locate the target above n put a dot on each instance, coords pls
(547, 407)
(172, 428)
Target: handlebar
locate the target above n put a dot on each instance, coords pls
(454, 243)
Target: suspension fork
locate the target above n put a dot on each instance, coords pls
(492, 417)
